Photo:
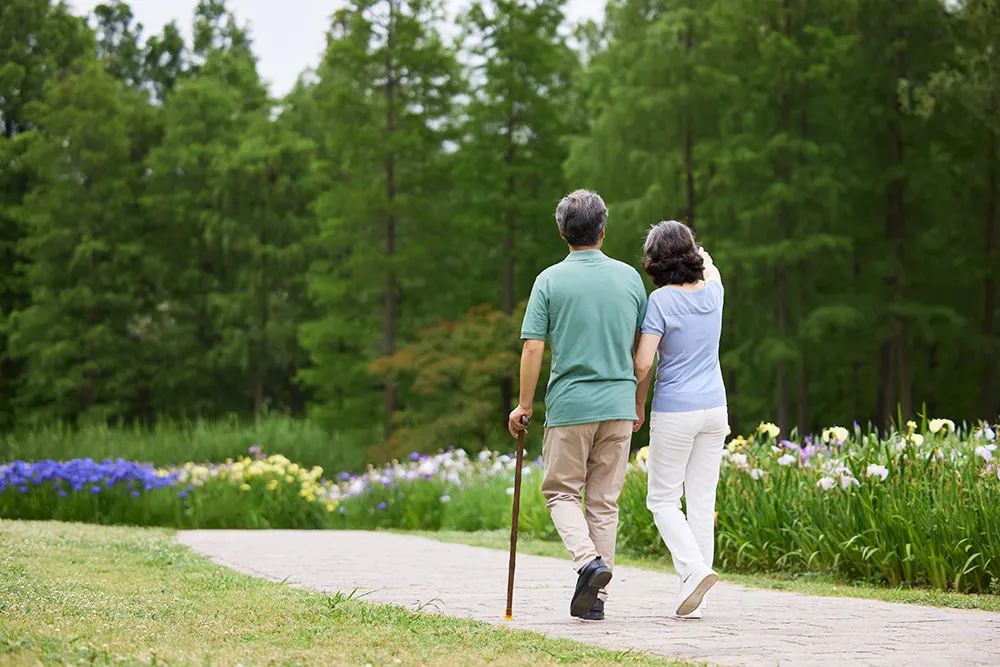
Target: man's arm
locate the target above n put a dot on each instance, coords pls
(531, 367)
(645, 351)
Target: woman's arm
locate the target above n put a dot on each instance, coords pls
(645, 351)
(711, 270)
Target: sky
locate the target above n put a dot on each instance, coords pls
(288, 35)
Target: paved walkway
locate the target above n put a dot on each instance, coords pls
(744, 626)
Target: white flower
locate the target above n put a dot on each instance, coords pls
(916, 439)
(847, 481)
(510, 490)
(901, 445)
(484, 455)
(986, 433)
(875, 470)
(985, 452)
(826, 483)
(836, 434)
(757, 473)
(936, 425)
(739, 459)
(445, 498)
(769, 428)
(787, 460)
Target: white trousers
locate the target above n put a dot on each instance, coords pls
(685, 452)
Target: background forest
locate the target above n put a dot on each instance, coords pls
(177, 244)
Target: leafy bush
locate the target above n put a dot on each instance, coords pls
(918, 507)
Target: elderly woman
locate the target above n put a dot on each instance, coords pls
(689, 420)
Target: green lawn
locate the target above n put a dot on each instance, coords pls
(74, 593)
(809, 584)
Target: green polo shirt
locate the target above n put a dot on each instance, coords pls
(589, 307)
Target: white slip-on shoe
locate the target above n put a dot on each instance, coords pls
(693, 589)
(695, 615)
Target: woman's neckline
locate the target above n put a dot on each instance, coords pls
(689, 287)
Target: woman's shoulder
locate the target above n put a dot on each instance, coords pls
(707, 297)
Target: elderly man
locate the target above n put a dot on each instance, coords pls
(590, 308)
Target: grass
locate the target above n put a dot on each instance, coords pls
(807, 584)
(171, 442)
(74, 593)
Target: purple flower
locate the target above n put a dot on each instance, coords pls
(62, 493)
(788, 444)
(414, 456)
(182, 494)
(22, 489)
(381, 506)
(136, 494)
(95, 489)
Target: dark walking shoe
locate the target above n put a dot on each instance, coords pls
(596, 612)
(594, 576)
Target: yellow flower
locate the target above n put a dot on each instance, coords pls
(911, 426)
(936, 425)
(244, 487)
(769, 428)
(272, 485)
(330, 506)
(642, 454)
(916, 439)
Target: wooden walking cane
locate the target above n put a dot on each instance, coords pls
(515, 512)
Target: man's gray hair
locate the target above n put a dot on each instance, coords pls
(581, 216)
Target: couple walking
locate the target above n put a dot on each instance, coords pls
(605, 333)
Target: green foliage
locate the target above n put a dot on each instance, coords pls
(172, 443)
(176, 244)
(914, 508)
(389, 82)
(454, 372)
(80, 337)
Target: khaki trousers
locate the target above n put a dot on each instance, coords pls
(584, 470)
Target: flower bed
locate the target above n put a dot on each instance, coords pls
(917, 507)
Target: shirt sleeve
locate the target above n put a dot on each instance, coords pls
(536, 317)
(643, 304)
(654, 322)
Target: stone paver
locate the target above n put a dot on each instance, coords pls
(743, 627)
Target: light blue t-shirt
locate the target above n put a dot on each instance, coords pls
(688, 375)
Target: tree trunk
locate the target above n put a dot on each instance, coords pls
(509, 266)
(782, 173)
(391, 296)
(988, 402)
(689, 133)
(896, 232)
(783, 415)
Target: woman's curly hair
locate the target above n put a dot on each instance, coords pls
(670, 255)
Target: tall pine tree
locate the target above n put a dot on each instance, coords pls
(385, 90)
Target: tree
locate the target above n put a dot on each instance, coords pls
(521, 107)
(264, 197)
(969, 88)
(197, 243)
(82, 335)
(385, 87)
(39, 42)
